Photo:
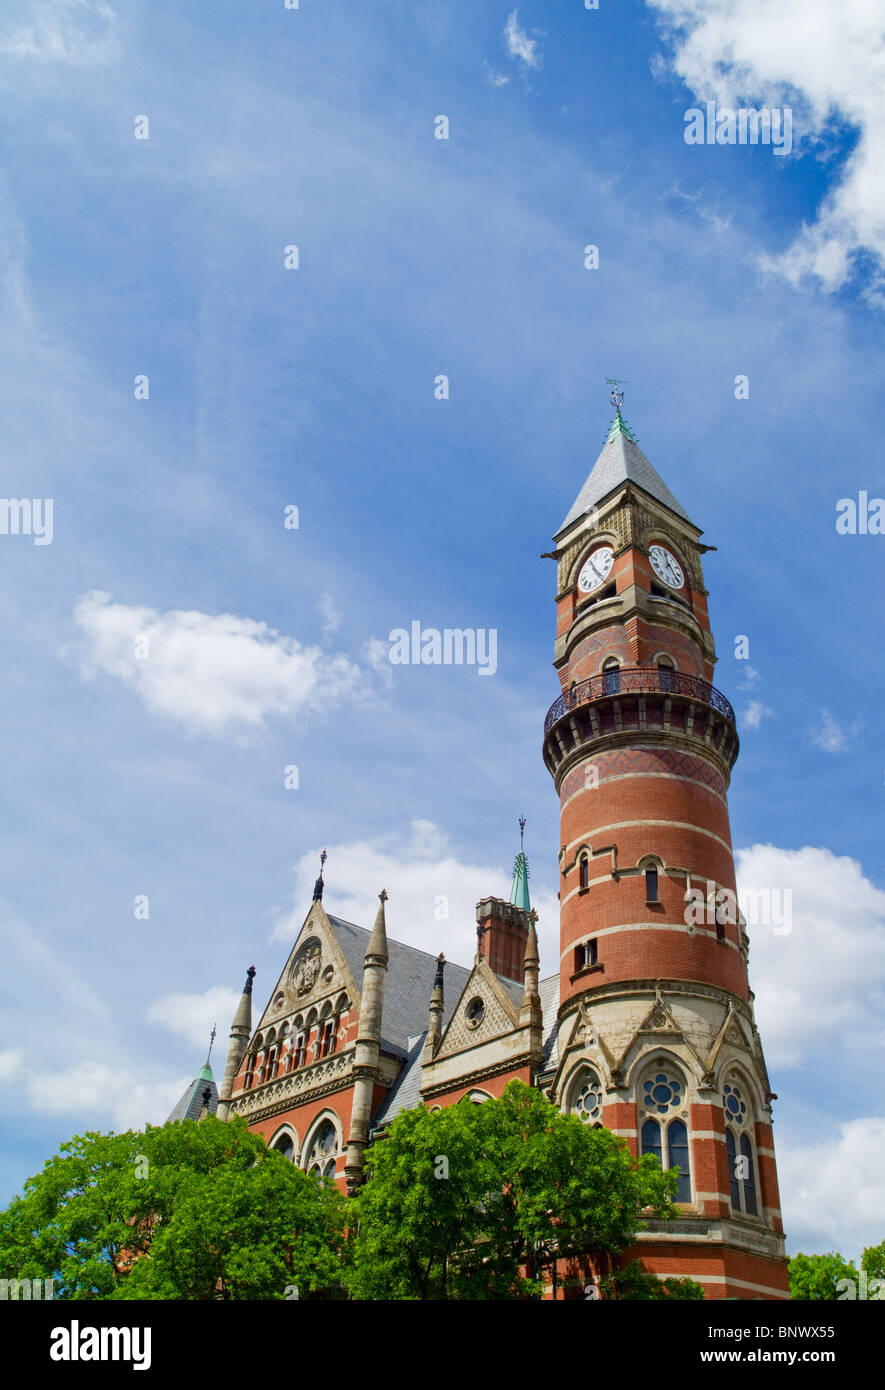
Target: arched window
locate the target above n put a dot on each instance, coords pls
(270, 1070)
(300, 1050)
(664, 1133)
(651, 884)
(250, 1070)
(323, 1151)
(611, 670)
(739, 1147)
(327, 1038)
(584, 872)
(587, 1096)
(666, 666)
(284, 1146)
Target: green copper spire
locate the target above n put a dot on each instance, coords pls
(519, 893)
(620, 426)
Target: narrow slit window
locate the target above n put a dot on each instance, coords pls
(651, 885)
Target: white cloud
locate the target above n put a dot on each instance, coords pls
(826, 974)
(832, 1191)
(519, 45)
(90, 1091)
(193, 1016)
(754, 714)
(219, 675)
(827, 62)
(834, 737)
(750, 677)
(423, 878)
(80, 33)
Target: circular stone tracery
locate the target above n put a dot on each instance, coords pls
(588, 1101)
(662, 1093)
(735, 1105)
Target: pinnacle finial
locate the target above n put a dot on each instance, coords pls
(318, 886)
(440, 967)
(382, 896)
(211, 1042)
(521, 832)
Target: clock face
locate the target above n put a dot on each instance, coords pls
(596, 569)
(666, 566)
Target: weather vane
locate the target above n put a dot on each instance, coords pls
(521, 832)
(211, 1041)
(616, 396)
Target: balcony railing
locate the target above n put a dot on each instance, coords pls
(638, 680)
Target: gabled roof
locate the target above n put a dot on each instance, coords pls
(191, 1101)
(621, 461)
(410, 976)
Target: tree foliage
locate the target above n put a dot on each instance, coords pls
(816, 1276)
(181, 1211)
(635, 1283)
(471, 1201)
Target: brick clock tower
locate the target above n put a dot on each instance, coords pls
(657, 1038)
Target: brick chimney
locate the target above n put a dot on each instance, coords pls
(502, 930)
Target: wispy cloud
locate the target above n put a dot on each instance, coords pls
(834, 737)
(519, 45)
(78, 33)
(754, 714)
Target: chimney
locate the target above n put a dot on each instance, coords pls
(502, 931)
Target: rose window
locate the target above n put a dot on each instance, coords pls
(588, 1101)
(662, 1093)
(735, 1105)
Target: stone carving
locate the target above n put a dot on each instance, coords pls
(306, 966)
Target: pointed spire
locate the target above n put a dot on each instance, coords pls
(530, 1010)
(318, 886)
(437, 1009)
(240, 1033)
(519, 892)
(377, 946)
(620, 461)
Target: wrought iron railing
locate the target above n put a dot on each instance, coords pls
(638, 680)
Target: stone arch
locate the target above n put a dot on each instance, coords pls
(281, 1135)
(317, 1155)
(584, 1093)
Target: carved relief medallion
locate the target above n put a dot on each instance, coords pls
(306, 966)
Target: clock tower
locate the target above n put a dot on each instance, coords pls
(657, 1038)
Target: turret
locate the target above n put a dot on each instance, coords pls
(437, 1007)
(240, 1033)
(365, 1066)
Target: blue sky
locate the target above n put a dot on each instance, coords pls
(315, 388)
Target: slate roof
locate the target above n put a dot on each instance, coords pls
(191, 1101)
(409, 984)
(549, 992)
(406, 1091)
(620, 461)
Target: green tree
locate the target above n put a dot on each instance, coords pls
(460, 1202)
(182, 1211)
(634, 1282)
(816, 1276)
(873, 1261)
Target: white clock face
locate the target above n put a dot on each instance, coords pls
(666, 566)
(596, 569)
